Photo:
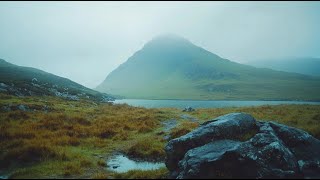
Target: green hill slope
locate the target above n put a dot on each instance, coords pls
(27, 81)
(171, 67)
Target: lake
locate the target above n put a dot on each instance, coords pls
(202, 104)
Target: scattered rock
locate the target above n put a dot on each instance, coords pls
(22, 107)
(3, 85)
(34, 80)
(6, 108)
(214, 150)
(188, 109)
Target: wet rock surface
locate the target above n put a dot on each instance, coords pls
(217, 150)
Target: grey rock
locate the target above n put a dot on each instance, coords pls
(223, 127)
(3, 85)
(188, 109)
(22, 107)
(214, 151)
(34, 80)
(6, 108)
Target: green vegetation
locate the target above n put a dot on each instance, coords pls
(73, 139)
(173, 68)
(151, 149)
(32, 81)
(63, 142)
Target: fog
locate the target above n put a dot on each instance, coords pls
(84, 41)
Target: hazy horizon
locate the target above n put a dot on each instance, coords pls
(85, 41)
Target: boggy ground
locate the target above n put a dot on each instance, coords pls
(55, 138)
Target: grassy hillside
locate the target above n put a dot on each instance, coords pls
(73, 139)
(170, 67)
(19, 80)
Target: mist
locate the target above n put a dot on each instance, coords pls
(85, 41)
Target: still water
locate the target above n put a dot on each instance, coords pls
(121, 164)
(202, 104)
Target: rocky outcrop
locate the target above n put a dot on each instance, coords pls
(38, 88)
(237, 146)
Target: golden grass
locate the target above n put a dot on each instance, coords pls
(182, 129)
(60, 142)
(161, 173)
(148, 149)
(306, 117)
(35, 137)
(100, 175)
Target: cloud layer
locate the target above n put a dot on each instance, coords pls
(84, 41)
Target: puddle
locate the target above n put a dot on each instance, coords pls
(3, 177)
(122, 164)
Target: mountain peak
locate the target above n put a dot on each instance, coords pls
(168, 39)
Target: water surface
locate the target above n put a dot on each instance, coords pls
(202, 104)
(122, 164)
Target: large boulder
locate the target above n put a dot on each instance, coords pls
(237, 146)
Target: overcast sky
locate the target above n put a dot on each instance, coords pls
(84, 41)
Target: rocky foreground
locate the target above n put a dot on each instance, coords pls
(238, 146)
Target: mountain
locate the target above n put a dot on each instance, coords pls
(307, 66)
(171, 67)
(27, 81)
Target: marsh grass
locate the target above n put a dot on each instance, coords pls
(69, 134)
(182, 129)
(161, 173)
(60, 143)
(306, 117)
(148, 149)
